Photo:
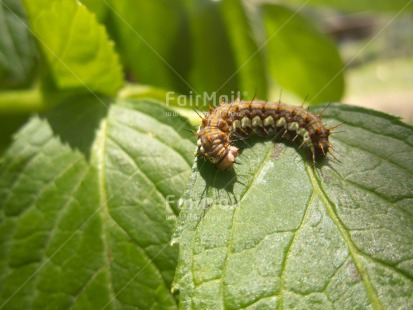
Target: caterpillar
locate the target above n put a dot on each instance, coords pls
(240, 118)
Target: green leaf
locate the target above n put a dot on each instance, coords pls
(248, 56)
(300, 58)
(202, 50)
(88, 206)
(279, 232)
(76, 47)
(17, 48)
(213, 64)
(153, 41)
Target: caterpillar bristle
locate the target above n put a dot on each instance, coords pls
(322, 148)
(332, 154)
(323, 110)
(334, 127)
(333, 149)
(191, 131)
(304, 101)
(279, 98)
(301, 145)
(205, 116)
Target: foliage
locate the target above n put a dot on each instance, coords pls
(279, 232)
(90, 185)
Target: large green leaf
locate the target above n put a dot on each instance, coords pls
(301, 59)
(206, 47)
(77, 48)
(17, 48)
(213, 65)
(279, 232)
(248, 55)
(88, 201)
(153, 41)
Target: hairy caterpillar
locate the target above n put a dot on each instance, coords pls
(240, 118)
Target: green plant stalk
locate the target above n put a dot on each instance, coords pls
(22, 101)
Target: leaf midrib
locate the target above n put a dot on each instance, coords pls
(101, 143)
(230, 241)
(347, 239)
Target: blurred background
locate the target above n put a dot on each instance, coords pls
(375, 41)
(378, 51)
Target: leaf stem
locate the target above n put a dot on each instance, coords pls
(21, 101)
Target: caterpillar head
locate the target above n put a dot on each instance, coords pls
(228, 160)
